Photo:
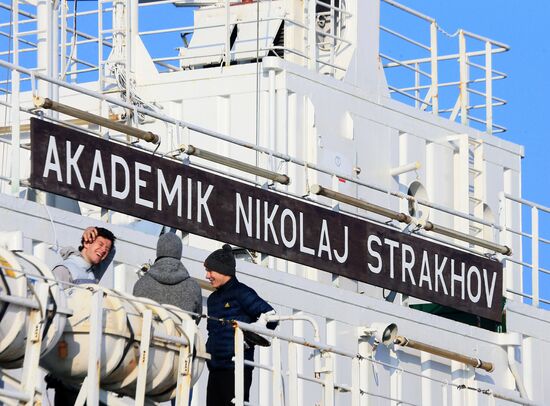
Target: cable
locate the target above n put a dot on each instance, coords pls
(441, 30)
(56, 246)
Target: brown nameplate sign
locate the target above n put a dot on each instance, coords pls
(106, 174)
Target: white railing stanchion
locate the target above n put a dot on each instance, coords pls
(277, 386)
(488, 87)
(535, 255)
(239, 367)
(463, 61)
(434, 76)
(143, 356)
(15, 113)
(33, 344)
(293, 373)
(94, 359)
(328, 372)
(185, 361)
(356, 382)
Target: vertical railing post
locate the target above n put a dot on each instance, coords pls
(100, 67)
(488, 87)
(277, 386)
(33, 344)
(356, 382)
(433, 60)
(444, 394)
(417, 86)
(239, 367)
(312, 34)
(94, 358)
(293, 374)
(15, 84)
(127, 21)
(463, 61)
(134, 34)
(328, 372)
(143, 356)
(535, 254)
(185, 362)
(227, 34)
(503, 238)
(63, 40)
(333, 33)
(54, 40)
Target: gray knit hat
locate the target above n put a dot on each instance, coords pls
(221, 261)
(169, 245)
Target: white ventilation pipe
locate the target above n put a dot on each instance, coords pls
(513, 364)
(398, 170)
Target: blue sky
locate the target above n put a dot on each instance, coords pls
(524, 27)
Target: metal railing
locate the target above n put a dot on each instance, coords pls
(324, 381)
(533, 260)
(417, 79)
(313, 369)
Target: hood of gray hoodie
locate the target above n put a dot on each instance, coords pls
(168, 271)
(66, 252)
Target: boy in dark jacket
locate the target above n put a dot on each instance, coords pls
(232, 300)
(167, 281)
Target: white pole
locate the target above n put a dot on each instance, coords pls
(272, 117)
(239, 367)
(489, 87)
(463, 78)
(293, 374)
(15, 117)
(434, 75)
(33, 345)
(143, 357)
(277, 388)
(185, 361)
(535, 254)
(356, 382)
(328, 371)
(94, 359)
(227, 34)
(312, 35)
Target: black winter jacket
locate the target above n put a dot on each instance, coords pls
(232, 301)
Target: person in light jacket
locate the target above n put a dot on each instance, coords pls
(89, 263)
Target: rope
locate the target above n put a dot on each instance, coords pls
(479, 390)
(442, 31)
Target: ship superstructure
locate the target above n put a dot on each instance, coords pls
(366, 192)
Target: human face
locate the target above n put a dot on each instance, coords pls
(216, 279)
(96, 251)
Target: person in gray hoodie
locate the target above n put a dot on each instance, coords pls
(88, 263)
(167, 281)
